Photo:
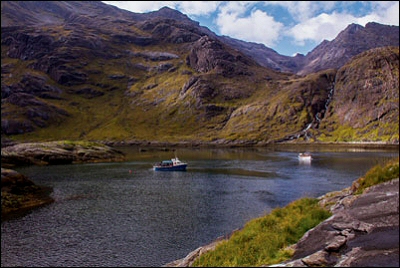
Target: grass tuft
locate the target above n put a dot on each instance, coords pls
(265, 240)
(378, 174)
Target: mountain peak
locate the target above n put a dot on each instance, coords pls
(348, 43)
(169, 13)
(85, 70)
(353, 28)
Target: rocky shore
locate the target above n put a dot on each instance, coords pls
(19, 194)
(222, 143)
(362, 232)
(58, 152)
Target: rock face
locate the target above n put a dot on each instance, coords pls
(352, 41)
(208, 54)
(362, 232)
(361, 82)
(370, 79)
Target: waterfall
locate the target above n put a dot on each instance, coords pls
(327, 102)
(304, 132)
(330, 95)
(318, 119)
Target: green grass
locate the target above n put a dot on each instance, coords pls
(374, 132)
(253, 109)
(265, 240)
(378, 174)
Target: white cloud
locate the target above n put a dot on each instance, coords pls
(303, 10)
(311, 22)
(324, 26)
(235, 7)
(198, 8)
(257, 27)
(139, 6)
(328, 26)
(387, 12)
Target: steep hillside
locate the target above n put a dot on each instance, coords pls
(44, 13)
(115, 79)
(89, 71)
(284, 113)
(352, 41)
(365, 105)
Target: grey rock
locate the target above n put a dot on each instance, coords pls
(362, 232)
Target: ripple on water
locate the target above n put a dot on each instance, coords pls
(105, 215)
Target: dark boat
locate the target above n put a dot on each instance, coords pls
(170, 165)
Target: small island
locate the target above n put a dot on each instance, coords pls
(58, 152)
(19, 194)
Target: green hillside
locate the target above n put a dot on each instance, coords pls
(160, 77)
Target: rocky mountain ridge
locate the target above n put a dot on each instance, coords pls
(90, 71)
(328, 55)
(352, 41)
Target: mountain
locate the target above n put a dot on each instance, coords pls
(266, 56)
(365, 105)
(329, 54)
(86, 70)
(350, 42)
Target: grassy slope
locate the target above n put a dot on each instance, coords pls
(152, 108)
(266, 240)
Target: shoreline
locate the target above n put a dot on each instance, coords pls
(162, 146)
(352, 222)
(225, 144)
(157, 144)
(81, 151)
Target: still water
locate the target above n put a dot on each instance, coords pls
(126, 214)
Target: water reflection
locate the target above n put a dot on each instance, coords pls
(126, 214)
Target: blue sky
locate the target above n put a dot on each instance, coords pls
(288, 27)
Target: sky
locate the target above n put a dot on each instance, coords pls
(288, 27)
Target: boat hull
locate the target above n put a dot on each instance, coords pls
(305, 159)
(170, 168)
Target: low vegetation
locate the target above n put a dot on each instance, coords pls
(378, 174)
(266, 240)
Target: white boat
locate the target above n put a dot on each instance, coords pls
(170, 165)
(305, 157)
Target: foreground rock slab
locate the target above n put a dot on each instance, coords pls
(363, 231)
